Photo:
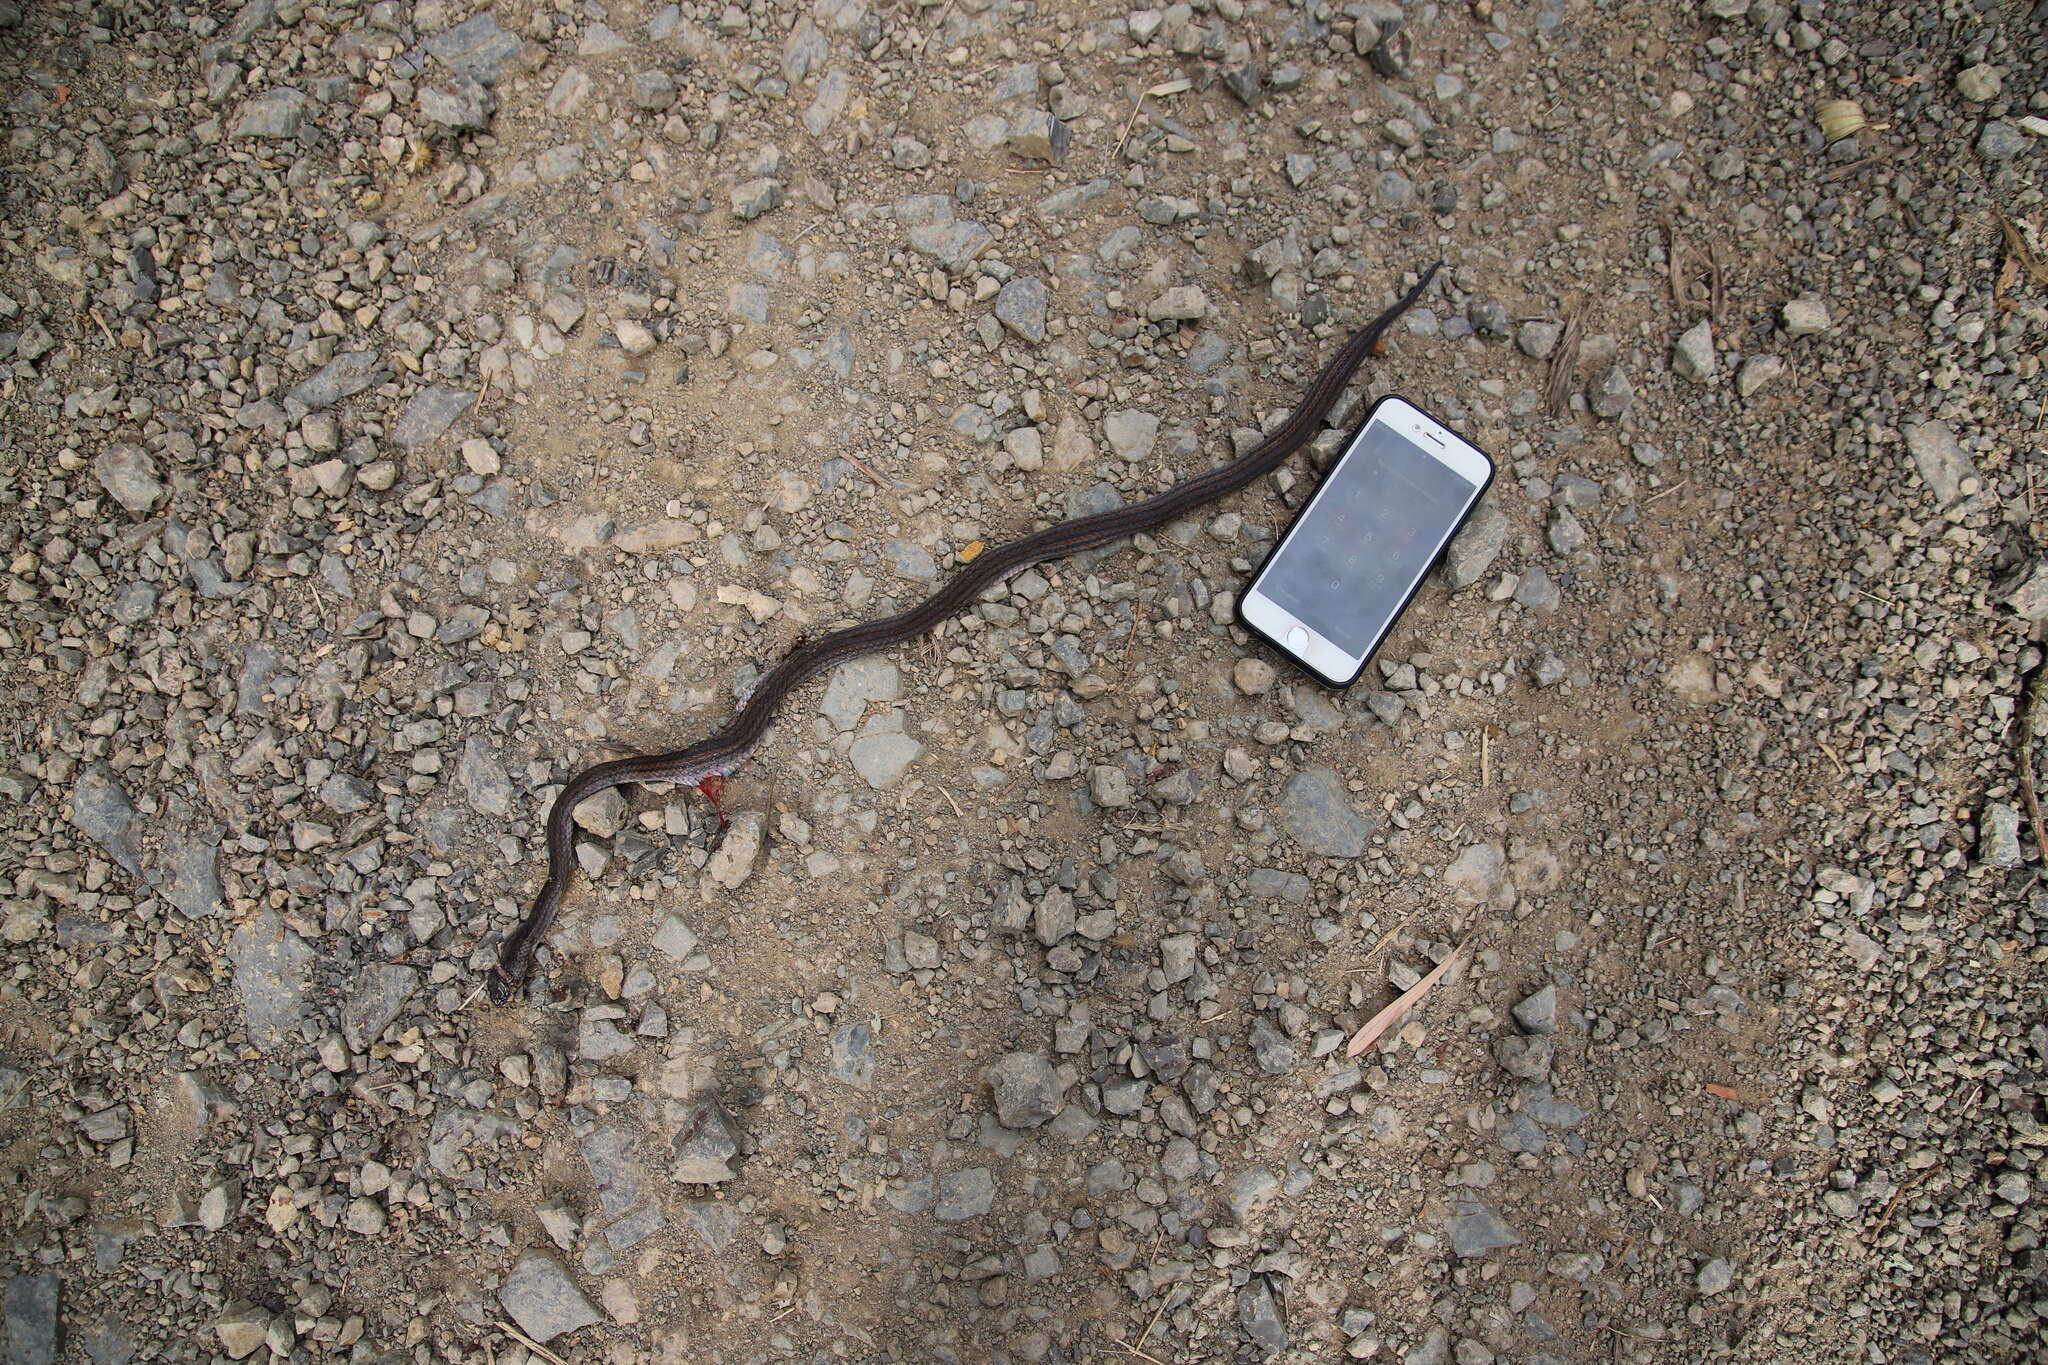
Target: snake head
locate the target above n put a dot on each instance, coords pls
(502, 989)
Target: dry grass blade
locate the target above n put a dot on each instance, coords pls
(1564, 363)
(529, 1343)
(1676, 264)
(1378, 1025)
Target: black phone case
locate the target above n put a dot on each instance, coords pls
(1407, 601)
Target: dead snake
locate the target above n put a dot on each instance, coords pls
(711, 759)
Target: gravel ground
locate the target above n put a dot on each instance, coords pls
(406, 405)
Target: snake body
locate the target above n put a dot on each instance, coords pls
(724, 751)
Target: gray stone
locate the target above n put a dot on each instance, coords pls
(1472, 551)
(241, 1328)
(1028, 1091)
(1109, 786)
(732, 862)
(1612, 394)
(858, 685)
(189, 877)
(1538, 337)
(344, 376)
(1131, 434)
(1756, 372)
(1999, 842)
(1537, 1013)
(272, 966)
(430, 413)
(704, 1145)
(273, 114)
(1182, 303)
(125, 470)
(1942, 462)
(2000, 141)
(853, 1056)
(1527, 1058)
(380, 993)
(1053, 918)
(484, 780)
(457, 101)
(2025, 590)
(1538, 591)
(478, 47)
(1270, 1048)
(1072, 200)
(1980, 84)
(653, 90)
(1251, 1190)
(1693, 357)
(1021, 305)
(1716, 1275)
(1475, 1230)
(32, 1319)
(1260, 1316)
(882, 756)
(1566, 533)
(1479, 876)
(753, 198)
(103, 813)
(1317, 811)
(1274, 884)
(1037, 135)
(1804, 317)
(954, 245)
(543, 1298)
(965, 1194)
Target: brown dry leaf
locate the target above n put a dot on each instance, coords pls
(1393, 1014)
(1723, 1092)
(2021, 252)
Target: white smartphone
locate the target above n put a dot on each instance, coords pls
(1357, 553)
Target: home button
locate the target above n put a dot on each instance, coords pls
(1297, 639)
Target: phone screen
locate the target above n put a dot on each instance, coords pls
(1376, 525)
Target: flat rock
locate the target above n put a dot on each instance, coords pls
(484, 781)
(965, 1194)
(1028, 1091)
(125, 470)
(1021, 307)
(103, 813)
(457, 101)
(1537, 1013)
(883, 754)
(273, 114)
(703, 1145)
(1479, 876)
(241, 1328)
(1693, 357)
(380, 993)
(1317, 811)
(1259, 1314)
(1472, 551)
(1476, 1229)
(188, 875)
(430, 413)
(345, 376)
(853, 1054)
(858, 685)
(954, 245)
(1942, 462)
(732, 862)
(32, 1319)
(543, 1299)
(481, 47)
(1131, 433)
(272, 967)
